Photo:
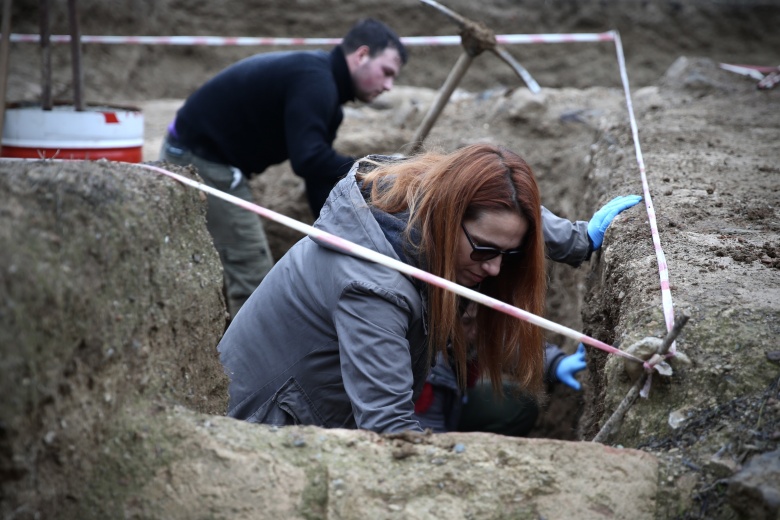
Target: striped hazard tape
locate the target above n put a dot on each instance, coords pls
(507, 39)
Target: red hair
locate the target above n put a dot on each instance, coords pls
(440, 191)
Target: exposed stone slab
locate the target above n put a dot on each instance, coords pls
(238, 470)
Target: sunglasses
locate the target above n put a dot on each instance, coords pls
(485, 253)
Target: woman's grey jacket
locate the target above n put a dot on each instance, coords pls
(328, 338)
(333, 340)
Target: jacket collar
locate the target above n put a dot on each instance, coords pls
(338, 65)
(347, 214)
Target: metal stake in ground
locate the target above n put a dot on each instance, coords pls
(475, 38)
(4, 52)
(75, 51)
(614, 421)
(46, 100)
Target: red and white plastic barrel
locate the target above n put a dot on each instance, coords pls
(97, 132)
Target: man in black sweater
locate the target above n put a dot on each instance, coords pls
(264, 110)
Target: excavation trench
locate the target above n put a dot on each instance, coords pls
(111, 293)
(112, 307)
(114, 394)
(116, 264)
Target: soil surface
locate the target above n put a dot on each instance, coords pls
(709, 142)
(654, 34)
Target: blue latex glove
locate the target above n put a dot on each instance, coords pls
(569, 366)
(604, 217)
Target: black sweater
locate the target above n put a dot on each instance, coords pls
(271, 107)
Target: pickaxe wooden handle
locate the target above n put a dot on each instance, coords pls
(475, 38)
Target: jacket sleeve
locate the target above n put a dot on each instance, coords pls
(553, 354)
(371, 323)
(565, 241)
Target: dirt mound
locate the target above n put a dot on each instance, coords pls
(111, 296)
(654, 34)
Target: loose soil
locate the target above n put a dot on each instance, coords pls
(709, 143)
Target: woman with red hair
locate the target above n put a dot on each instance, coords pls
(337, 341)
(474, 218)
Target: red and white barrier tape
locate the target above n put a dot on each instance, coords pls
(745, 70)
(666, 297)
(373, 256)
(506, 39)
(768, 77)
(663, 269)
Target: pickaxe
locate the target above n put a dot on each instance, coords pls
(475, 38)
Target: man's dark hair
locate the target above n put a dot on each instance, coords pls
(375, 35)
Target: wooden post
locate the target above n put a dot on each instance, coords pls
(456, 74)
(46, 101)
(475, 38)
(75, 51)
